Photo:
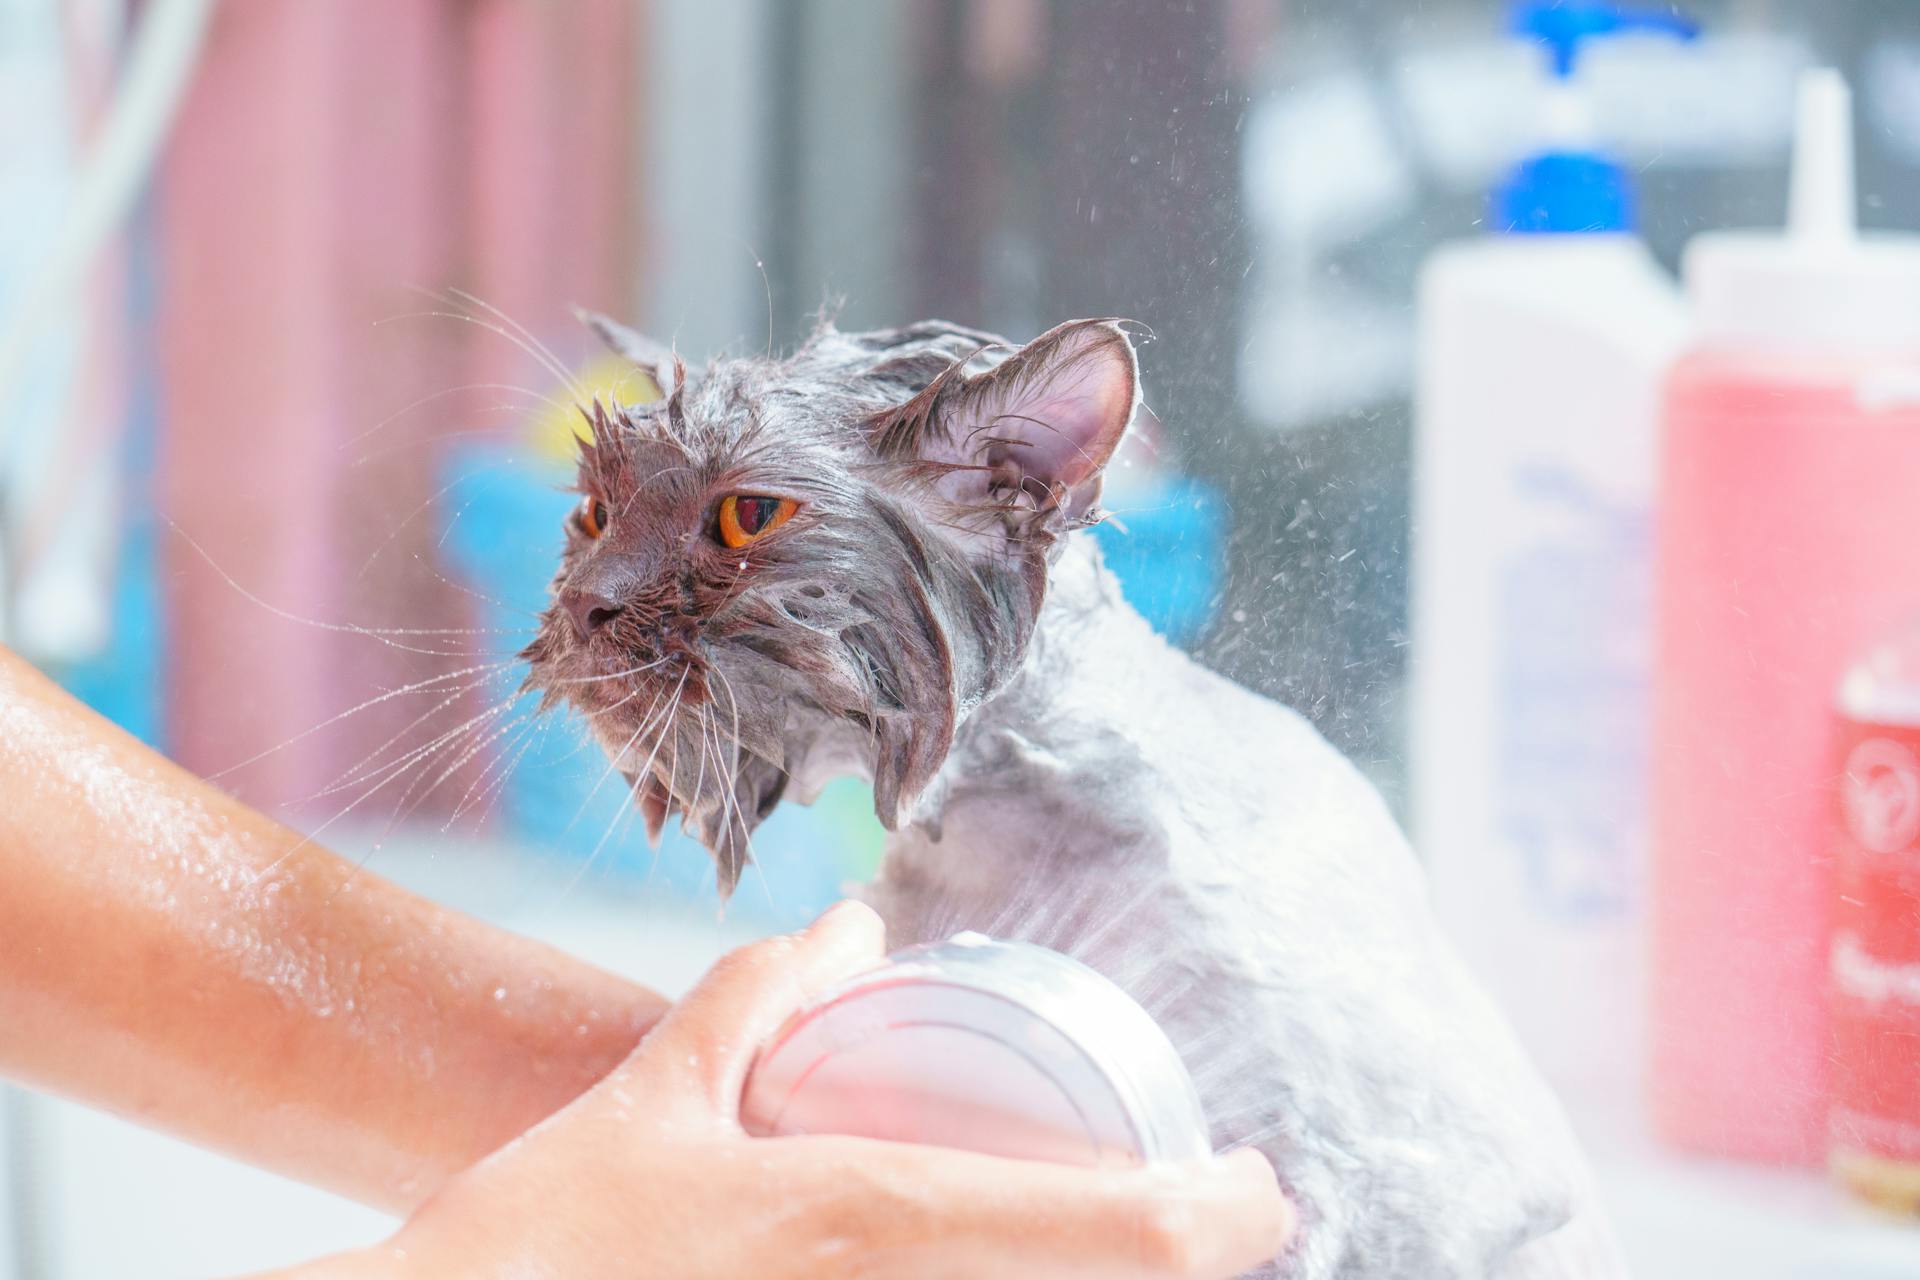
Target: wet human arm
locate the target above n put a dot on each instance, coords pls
(650, 1174)
(168, 954)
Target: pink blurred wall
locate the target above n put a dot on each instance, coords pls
(332, 161)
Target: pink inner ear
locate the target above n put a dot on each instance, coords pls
(1069, 415)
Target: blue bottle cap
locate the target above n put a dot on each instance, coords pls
(1565, 25)
(1574, 189)
(1565, 191)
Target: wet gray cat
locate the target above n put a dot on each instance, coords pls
(864, 559)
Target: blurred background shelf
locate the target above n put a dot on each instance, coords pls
(1684, 1218)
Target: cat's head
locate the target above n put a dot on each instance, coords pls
(819, 564)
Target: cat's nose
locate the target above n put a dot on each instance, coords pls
(588, 611)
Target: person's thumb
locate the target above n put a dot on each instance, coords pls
(701, 1051)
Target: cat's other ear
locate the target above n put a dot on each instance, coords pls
(1042, 423)
(657, 360)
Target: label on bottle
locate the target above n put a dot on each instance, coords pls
(1571, 709)
(1874, 960)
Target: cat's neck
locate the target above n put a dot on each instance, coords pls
(1090, 657)
(1061, 767)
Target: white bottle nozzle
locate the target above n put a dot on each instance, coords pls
(1820, 198)
(1821, 285)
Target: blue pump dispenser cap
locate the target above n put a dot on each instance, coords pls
(1564, 25)
(1565, 191)
(1574, 190)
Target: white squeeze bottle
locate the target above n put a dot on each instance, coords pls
(1541, 348)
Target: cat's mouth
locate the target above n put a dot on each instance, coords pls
(722, 814)
(691, 766)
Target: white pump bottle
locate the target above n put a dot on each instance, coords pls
(1540, 353)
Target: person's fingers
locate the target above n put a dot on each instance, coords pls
(1196, 1221)
(1241, 1210)
(706, 1043)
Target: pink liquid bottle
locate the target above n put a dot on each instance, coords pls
(1788, 539)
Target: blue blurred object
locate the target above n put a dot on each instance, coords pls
(1565, 26)
(123, 681)
(1562, 191)
(1164, 543)
(1571, 185)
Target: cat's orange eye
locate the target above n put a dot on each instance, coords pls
(593, 516)
(746, 517)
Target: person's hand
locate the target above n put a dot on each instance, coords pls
(650, 1174)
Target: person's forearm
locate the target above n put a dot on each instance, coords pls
(173, 956)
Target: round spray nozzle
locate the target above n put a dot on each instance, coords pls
(998, 1047)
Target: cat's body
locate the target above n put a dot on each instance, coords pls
(912, 603)
(1206, 848)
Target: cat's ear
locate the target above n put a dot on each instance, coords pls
(655, 359)
(1037, 428)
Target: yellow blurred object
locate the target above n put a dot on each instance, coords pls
(1889, 1184)
(609, 379)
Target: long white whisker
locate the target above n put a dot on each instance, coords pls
(376, 633)
(439, 747)
(553, 360)
(753, 856)
(620, 817)
(307, 839)
(665, 732)
(552, 366)
(733, 702)
(414, 514)
(633, 789)
(700, 779)
(508, 430)
(500, 785)
(483, 597)
(533, 728)
(371, 763)
(613, 762)
(368, 768)
(673, 771)
(615, 675)
(731, 815)
(415, 795)
(387, 421)
(527, 740)
(388, 696)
